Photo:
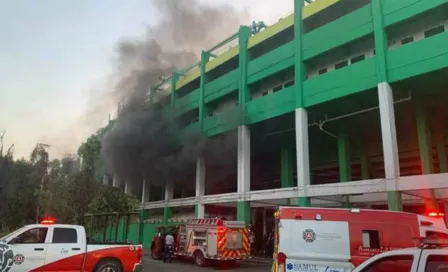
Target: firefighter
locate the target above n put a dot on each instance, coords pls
(169, 243)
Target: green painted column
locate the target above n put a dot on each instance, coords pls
(205, 56)
(441, 143)
(286, 167)
(364, 159)
(243, 212)
(174, 79)
(387, 115)
(243, 90)
(425, 148)
(167, 214)
(299, 66)
(441, 153)
(344, 160)
(302, 143)
(243, 207)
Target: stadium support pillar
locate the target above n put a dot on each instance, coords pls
(286, 167)
(105, 180)
(199, 211)
(115, 181)
(344, 160)
(441, 152)
(243, 208)
(143, 213)
(167, 211)
(386, 105)
(302, 153)
(205, 56)
(425, 148)
(146, 185)
(243, 180)
(390, 147)
(365, 164)
(302, 148)
(345, 169)
(128, 188)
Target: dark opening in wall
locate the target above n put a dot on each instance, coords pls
(272, 43)
(341, 64)
(190, 87)
(227, 102)
(323, 71)
(357, 59)
(434, 31)
(407, 40)
(332, 13)
(223, 69)
(189, 117)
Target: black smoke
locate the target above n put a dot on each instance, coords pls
(144, 142)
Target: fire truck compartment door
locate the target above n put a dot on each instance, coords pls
(212, 243)
(234, 240)
(314, 240)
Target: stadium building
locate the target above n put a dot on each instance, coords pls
(343, 105)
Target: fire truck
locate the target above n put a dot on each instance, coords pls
(207, 239)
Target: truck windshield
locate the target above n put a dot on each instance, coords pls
(7, 236)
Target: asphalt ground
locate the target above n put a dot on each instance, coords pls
(151, 265)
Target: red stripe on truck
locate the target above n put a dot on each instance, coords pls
(127, 257)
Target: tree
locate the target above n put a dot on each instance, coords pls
(89, 152)
(17, 189)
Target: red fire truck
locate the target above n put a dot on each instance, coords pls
(207, 239)
(338, 240)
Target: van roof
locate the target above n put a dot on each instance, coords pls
(340, 214)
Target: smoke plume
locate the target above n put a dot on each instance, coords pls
(144, 142)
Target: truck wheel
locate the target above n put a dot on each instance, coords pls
(109, 266)
(199, 258)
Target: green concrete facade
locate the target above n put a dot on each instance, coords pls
(329, 62)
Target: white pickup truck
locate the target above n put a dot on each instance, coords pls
(56, 247)
(432, 256)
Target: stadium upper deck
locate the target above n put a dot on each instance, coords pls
(384, 61)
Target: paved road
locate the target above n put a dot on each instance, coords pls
(185, 266)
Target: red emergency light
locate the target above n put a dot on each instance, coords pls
(48, 220)
(436, 214)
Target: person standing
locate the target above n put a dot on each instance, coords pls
(169, 243)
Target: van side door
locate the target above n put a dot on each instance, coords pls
(66, 249)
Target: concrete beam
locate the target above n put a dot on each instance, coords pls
(359, 191)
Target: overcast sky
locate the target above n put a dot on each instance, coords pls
(53, 53)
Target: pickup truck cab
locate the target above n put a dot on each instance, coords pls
(57, 247)
(430, 257)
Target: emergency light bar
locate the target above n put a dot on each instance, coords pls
(436, 214)
(432, 241)
(48, 220)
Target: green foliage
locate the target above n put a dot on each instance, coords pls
(39, 186)
(112, 199)
(89, 151)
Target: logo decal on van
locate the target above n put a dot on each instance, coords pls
(309, 235)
